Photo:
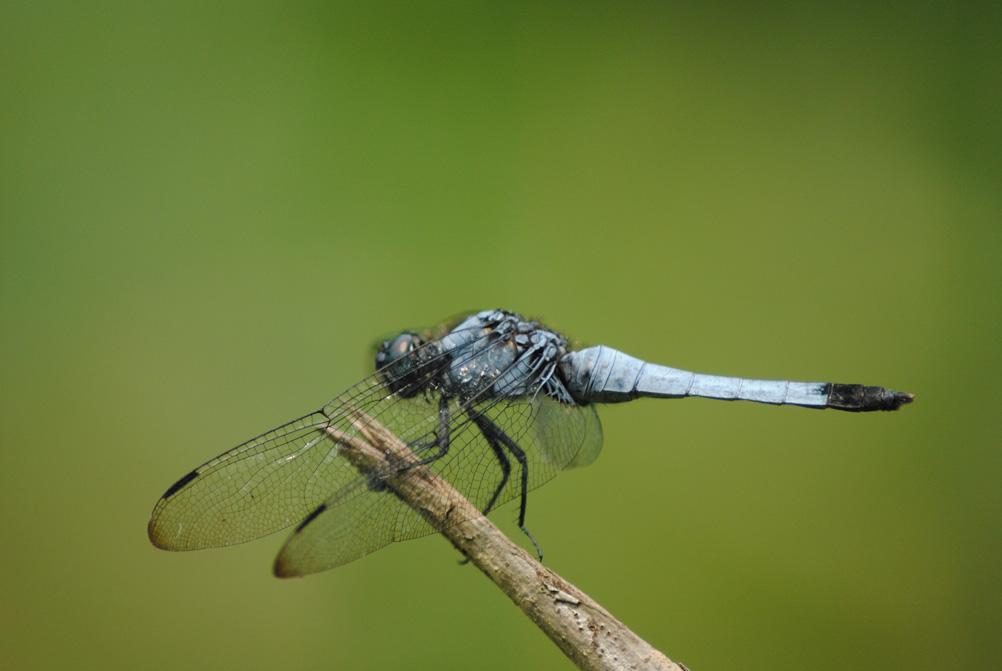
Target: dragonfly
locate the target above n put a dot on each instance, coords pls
(492, 403)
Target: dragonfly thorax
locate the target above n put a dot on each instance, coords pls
(496, 353)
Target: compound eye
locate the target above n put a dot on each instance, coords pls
(398, 364)
(400, 347)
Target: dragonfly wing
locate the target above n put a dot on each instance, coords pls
(569, 436)
(360, 520)
(297, 472)
(279, 478)
(264, 485)
(348, 527)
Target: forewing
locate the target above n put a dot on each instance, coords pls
(279, 478)
(264, 485)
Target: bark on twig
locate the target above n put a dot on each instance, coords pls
(587, 633)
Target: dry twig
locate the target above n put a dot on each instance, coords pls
(587, 633)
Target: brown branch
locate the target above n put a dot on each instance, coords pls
(587, 633)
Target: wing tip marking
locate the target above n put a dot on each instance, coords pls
(179, 485)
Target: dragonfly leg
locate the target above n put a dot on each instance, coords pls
(502, 461)
(377, 480)
(442, 435)
(496, 437)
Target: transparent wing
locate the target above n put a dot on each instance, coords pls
(562, 427)
(278, 478)
(295, 473)
(262, 486)
(360, 519)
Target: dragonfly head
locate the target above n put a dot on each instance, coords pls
(397, 361)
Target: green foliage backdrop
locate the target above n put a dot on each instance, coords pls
(209, 212)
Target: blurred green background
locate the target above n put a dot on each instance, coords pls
(210, 212)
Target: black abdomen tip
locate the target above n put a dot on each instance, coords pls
(860, 398)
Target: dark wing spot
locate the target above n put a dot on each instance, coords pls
(179, 485)
(312, 516)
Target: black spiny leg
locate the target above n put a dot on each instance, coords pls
(377, 481)
(499, 454)
(442, 433)
(496, 436)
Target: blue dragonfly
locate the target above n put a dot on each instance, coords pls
(492, 403)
